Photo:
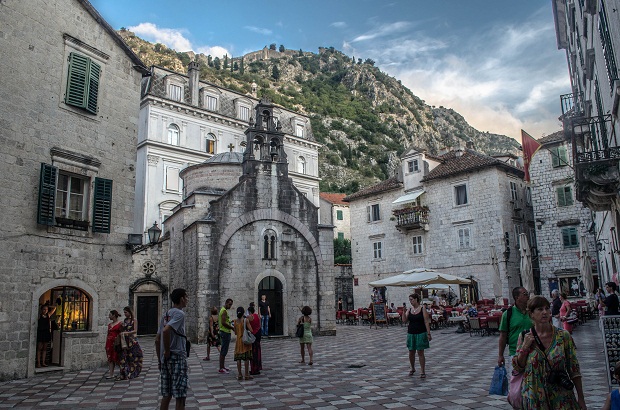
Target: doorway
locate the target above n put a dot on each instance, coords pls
(271, 287)
(147, 314)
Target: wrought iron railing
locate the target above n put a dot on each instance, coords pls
(594, 139)
(410, 218)
(572, 104)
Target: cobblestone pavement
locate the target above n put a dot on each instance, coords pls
(360, 368)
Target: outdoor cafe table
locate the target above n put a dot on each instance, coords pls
(393, 317)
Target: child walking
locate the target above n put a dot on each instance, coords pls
(306, 339)
(243, 352)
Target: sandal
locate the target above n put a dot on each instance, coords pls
(309, 363)
(239, 377)
(411, 372)
(423, 376)
(206, 358)
(302, 361)
(249, 377)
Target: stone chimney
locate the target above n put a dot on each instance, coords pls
(193, 72)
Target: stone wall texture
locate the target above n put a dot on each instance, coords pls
(33, 120)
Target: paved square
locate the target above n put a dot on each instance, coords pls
(360, 368)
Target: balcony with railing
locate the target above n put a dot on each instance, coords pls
(411, 218)
(572, 105)
(596, 155)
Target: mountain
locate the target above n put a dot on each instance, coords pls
(365, 118)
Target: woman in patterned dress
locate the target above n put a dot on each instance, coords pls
(114, 329)
(243, 352)
(213, 338)
(306, 339)
(537, 391)
(131, 357)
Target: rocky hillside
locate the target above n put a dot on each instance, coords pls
(364, 118)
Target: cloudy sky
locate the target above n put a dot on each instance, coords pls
(494, 61)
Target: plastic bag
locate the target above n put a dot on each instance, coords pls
(499, 382)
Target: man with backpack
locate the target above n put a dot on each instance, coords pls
(514, 320)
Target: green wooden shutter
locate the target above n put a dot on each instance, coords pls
(47, 194)
(555, 157)
(563, 156)
(102, 209)
(77, 80)
(568, 195)
(93, 87)
(339, 215)
(82, 82)
(561, 198)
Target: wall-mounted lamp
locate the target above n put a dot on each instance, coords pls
(134, 241)
(581, 129)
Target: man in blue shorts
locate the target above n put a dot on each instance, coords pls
(173, 357)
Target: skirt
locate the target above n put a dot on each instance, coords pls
(417, 342)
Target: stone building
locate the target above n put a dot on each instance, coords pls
(589, 32)
(442, 212)
(335, 211)
(69, 114)
(185, 121)
(244, 229)
(561, 221)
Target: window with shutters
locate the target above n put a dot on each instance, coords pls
(565, 195)
(417, 245)
(570, 238)
(513, 191)
(341, 236)
(82, 89)
(339, 215)
(211, 103)
(377, 250)
(172, 180)
(559, 156)
(412, 166)
(463, 239)
(65, 200)
(460, 195)
(175, 92)
(373, 213)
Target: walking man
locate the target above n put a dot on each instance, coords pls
(265, 313)
(172, 359)
(225, 329)
(556, 304)
(513, 322)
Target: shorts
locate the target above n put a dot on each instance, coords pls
(417, 342)
(225, 340)
(173, 377)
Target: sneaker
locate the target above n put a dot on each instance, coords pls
(227, 369)
(223, 371)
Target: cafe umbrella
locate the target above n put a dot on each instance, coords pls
(585, 266)
(527, 275)
(421, 277)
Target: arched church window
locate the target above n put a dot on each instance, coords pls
(301, 165)
(210, 144)
(269, 244)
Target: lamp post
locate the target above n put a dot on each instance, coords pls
(154, 233)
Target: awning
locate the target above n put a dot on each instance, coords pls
(410, 197)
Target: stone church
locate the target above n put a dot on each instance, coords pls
(243, 229)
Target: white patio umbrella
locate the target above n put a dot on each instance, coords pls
(497, 280)
(585, 266)
(420, 277)
(527, 276)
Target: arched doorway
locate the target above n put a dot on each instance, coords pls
(272, 288)
(147, 296)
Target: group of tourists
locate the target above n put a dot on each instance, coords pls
(122, 347)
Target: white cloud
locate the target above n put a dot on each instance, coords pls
(170, 37)
(259, 30)
(339, 24)
(175, 39)
(383, 30)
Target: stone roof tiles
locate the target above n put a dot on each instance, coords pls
(557, 136)
(470, 160)
(383, 186)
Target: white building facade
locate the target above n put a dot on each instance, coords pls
(445, 213)
(589, 32)
(185, 121)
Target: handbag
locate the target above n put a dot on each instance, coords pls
(514, 390)
(123, 342)
(572, 317)
(248, 338)
(300, 330)
(499, 382)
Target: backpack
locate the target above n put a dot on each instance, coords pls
(508, 317)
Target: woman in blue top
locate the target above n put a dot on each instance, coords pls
(418, 332)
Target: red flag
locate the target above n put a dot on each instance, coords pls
(530, 146)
